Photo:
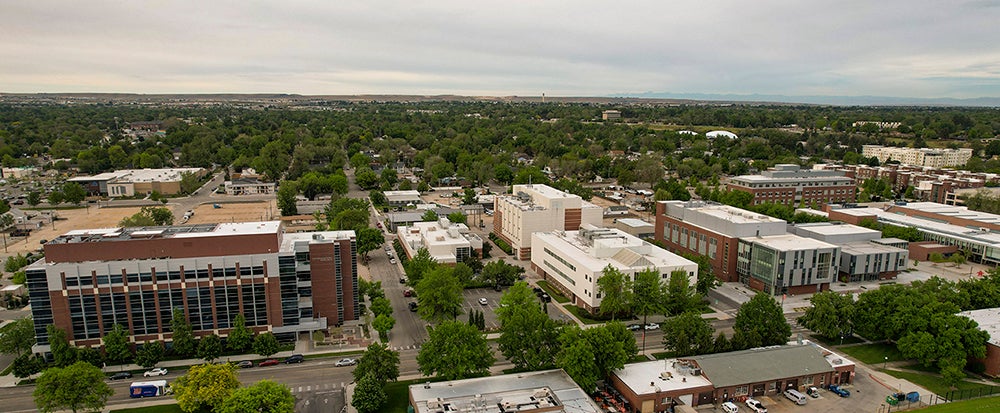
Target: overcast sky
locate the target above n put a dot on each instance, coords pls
(906, 48)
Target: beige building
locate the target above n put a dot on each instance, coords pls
(539, 208)
(447, 242)
(935, 158)
(129, 182)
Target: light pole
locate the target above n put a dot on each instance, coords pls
(884, 362)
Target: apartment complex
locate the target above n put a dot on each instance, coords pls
(91, 280)
(930, 184)
(790, 185)
(573, 261)
(935, 158)
(129, 182)
(539, 208)
(447, 242)
(744, 246)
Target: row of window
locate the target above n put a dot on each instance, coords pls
(161, 276)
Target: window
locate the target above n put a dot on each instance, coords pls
(808, 380)
(742, 390)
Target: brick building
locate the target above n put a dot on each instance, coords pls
(91, 280)
(790, 185)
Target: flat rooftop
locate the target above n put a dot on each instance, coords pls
(831, 229)
(951, 211)
(629, 252)
(552, 390)
(789, 242)
(634, 222)
(173, 231)
(865, 247)
(988, 320)
(733, 214)
(764, 364)
(288, 240)
(661, 376)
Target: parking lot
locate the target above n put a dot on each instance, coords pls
(866, 396)
(471, 303)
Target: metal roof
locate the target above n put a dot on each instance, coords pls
(762, 364)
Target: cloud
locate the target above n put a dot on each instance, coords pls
(900, 48)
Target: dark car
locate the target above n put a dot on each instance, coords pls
(635, 327)
(245, 364)
(402, 280)
(840, 392)
(294, 358)
(546, 298)
(269, 362)
(120, 376)
(413, 306)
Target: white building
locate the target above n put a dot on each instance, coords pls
(780, 264)
(935, 158)
(537, 391)
(864, 255)
(402, 198)
(246, 186)
(447, 242)
(575, 260)
(539, 208)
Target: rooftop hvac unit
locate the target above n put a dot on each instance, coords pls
(434, 403)
(540, 393)
(696, 372)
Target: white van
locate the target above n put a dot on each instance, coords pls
(730, 407)
(795, 396)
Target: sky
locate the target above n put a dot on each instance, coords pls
(908, 48)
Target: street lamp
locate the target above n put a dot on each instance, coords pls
(884, 362)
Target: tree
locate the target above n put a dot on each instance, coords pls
(79, 386)
(830, 315)
(55, 198)
(379, 361)
(455, 351)
(149, 216)
(209, 347)
(615, 290)
(265, 344)
(687, 334)
(501, 273)
(286, 198)
(576, 356)
(150, 354)
(366, 178)
(26, 364)
(369, 239)
(383, 323)
(680, 297)
(33, 199)
(429, 216)
(17, 337)
(381, 305)
(439, 295)
(73, 193)
(377, 198)
(240, 337)
(205, 386)
(613, 346)
(761, 322)
(183, 337)
(721, 344)
(457, 217)
(264, 396)
(528, 337)
(369, 395)
(419, 265)
(116, 346)
(63, 354)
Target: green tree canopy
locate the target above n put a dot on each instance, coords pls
(183, 335)
(63, 354)
(369, 395)
(378, 361)
(73, 193)
(439, 295)
(17, 337)
(369, 239)
(830, 315)
(149, 216)
(264, 396)
(761, 322)
(420, 264)
(615, 290)
(79, 386)
(209, 347)
(116, 345)
(240, 337)
(383, 323)
(528, 337)
(265, 344)
(688, 334)
(150, 354)
(205, 386)
(455, 351)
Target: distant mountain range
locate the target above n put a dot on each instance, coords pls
(821, 100)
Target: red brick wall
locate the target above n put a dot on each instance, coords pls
(572, 219)
(138, 249)
(324, 293)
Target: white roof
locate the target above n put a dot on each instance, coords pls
(826, 228)
(634, 222)
(733, 214)
(790, 242)
(488, 394)
(952, 211)
(988, 320)
(865, 248)
(665, 375)
(619, 249)
(289, 239)
(718, 133)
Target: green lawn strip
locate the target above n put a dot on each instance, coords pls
(398, 394)
(873, 353)
(583, 315)
(983, 405)
(162, 408)
(552, 292)
(933, 383)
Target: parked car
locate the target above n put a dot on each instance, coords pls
(294, 358)
(269, 362)
(482, 301)
(839, 391)
(652, 326)
(120, 376)
(755, 406)
(346, 362)
(245, 364)
(635, 327)
(392, 260)
(813, 392)
(413, 306)
(407, 293)
(546, 298)
(155, 372)
(402, 280)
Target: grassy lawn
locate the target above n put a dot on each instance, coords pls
(583, 315)
(552, 292)
(398, 395)
(933, 383)
(663, 354)
(984, 405)
(163, 408)
(873, 353)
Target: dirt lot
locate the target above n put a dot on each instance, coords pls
(234, 212)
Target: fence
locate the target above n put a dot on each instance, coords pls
(982, 391)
